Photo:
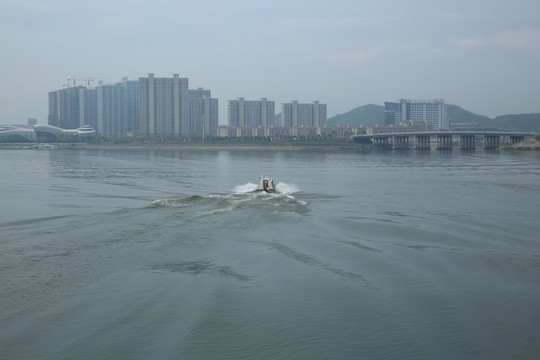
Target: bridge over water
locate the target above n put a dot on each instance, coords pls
(443, 140)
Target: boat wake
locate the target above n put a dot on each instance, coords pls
(243, 196)
(245, 188)
(287, 189)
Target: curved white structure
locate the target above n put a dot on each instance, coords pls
(17, 131)
(48, 131)
(85, 131)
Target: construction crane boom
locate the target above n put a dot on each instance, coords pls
(88, 80)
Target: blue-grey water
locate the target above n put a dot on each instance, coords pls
(169, 254)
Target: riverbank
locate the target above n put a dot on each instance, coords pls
(234, 147)
(527, 145)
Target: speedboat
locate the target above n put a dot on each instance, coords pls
(266, 184)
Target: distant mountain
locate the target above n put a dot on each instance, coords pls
(367, 115)
(457, 114)
(521, 122)
(371, 115)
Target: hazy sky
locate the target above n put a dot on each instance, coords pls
(483, 55)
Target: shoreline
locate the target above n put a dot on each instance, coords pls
(527, 145)
(234, 147)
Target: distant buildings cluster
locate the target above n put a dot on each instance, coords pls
(149, 106)
(166, 107)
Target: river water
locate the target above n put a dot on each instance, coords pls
(169, 254)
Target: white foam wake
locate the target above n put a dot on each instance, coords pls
(245, 188)
(287, 189)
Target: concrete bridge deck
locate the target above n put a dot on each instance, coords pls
(443, 139)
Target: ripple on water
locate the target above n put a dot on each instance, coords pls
(198, 268)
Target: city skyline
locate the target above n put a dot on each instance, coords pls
(90, 92)
(349, 55)
(165, 107)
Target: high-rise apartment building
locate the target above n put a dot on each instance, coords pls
(88, 107)
(111, 122)
(251, 113)
(203, 113)
(64, 108)
(296, 115)
(131, 105)
(118, 108)
(163, 106)
(432, 111)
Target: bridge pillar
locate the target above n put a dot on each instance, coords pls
(491, 142)
(422, 142)
(444, 142)
(381, 141)
(401, 142)
(467, 142)
(514, 139)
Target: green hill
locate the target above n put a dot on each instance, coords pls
(457, 114)
(367, 115)
(517, 122)
(521, 122)
(371, 115)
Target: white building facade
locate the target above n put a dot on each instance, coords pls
(432, 111)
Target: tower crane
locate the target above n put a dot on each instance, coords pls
(74, 80)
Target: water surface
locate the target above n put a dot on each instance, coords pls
(171, 255)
